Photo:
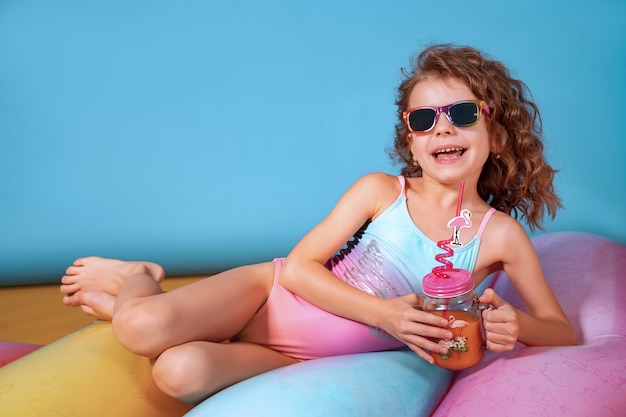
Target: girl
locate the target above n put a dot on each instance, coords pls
(461, 117)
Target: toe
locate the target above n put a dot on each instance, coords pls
(67, 301)
(82, 261)
(72, 300)
(69, 289)
(86, 260)
(79, 262)
(73, 270)
(69, 279)
(156, 270)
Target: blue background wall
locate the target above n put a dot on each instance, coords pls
(203, 135)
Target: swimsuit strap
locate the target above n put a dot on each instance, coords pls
(483, 224)
(402, 184)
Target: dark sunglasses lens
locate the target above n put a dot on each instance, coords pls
(421, 120)
(464, 114)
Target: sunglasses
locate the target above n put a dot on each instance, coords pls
(461, 114)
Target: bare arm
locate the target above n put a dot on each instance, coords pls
(544, 323)
(304, 272)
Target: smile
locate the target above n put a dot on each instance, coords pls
(449, 153)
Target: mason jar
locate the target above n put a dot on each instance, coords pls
(450, 294)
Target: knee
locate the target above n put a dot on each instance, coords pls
(141, 329)
(177, 373)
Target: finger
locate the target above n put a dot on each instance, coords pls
(487, 296)
(420, 316)
(499, 347)
(501, 337)
(413, 299)
(422, 353)
(494, 347)
(490, 297)
(419, 303)
(503, 314)
(426, 337)
(424, 326)
(429, 333)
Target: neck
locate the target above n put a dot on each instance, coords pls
(446, 196)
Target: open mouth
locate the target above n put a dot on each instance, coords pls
(447, 154)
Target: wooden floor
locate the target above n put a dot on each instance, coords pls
(35, 314)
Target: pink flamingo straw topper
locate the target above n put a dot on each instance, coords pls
(459, 222)
(462, 219)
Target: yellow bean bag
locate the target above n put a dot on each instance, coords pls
(87, 373)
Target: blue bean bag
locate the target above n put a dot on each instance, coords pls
(392, 383)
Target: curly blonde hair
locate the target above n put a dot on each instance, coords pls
(516, 178)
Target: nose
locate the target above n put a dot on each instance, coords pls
(443, 126)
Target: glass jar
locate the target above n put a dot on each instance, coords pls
(450, 294)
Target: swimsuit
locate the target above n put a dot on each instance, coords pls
(388, 258)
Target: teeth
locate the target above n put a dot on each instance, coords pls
(447, 150)
(449, 153)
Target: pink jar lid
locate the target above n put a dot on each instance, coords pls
(458, 282)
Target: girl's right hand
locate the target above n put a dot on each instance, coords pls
(407, 322)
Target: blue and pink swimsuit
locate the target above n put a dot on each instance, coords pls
(387, 258)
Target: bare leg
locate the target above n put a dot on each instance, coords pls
(147, 321)
(182, 329)
(194, 371)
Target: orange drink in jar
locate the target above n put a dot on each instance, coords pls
(467, 346)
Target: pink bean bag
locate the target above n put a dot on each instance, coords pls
(587, 273)
(12, 351)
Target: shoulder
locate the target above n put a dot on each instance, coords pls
(506, 227)
(506, 238)
(374, 191)
(504, 230)
(378, 185)
(379, 180)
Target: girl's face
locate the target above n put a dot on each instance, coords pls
(448, 153)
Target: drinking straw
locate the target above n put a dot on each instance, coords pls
(443, 244)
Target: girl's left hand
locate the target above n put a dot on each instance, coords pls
(501, 325)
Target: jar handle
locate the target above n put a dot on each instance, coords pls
(485, 306)
(480, 307)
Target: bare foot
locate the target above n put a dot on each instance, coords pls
(99, 275)
(97, 304)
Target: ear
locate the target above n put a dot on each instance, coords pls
(409, 140)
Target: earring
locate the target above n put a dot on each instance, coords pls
(496, 155)
(415, 163)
